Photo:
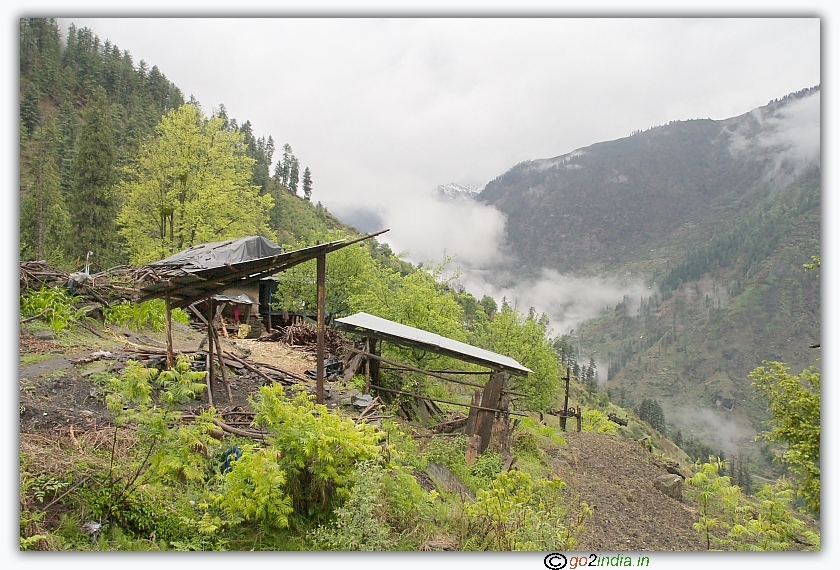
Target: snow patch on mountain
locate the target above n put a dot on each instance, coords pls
(454, 191)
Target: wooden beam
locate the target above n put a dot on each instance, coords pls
(442, 401)
(433, 374)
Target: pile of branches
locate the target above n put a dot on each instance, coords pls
(305, 334)
(110, 286)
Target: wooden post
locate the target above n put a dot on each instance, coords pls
(209, 386)
(367, 365)
(578, 415)
(222, 366)
(490, 399)
(375, 346)
(210, 374)
(170, 352)
(473, 446)
(472, 417)
(565, 404)
(322, 300)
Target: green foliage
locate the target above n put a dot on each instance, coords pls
(44, 219)
(137, 316)
(55, 304)
(416, 300)
(731, 521)
(190, 184)
(597, 421)
(316, 449)
(794, 402)
(525, 339)
(92, 203)
(254, 489)
(517, 513)
(359, 524)
(349, 272)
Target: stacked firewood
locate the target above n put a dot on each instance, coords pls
(305, 334)
(109, 286)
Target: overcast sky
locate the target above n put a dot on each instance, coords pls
(383, 110)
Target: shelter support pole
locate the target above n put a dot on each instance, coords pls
(222, 365)
(209, 322)
(322, 301)
(375, 347)
(209, 360)
(490, 399)
(367, 365)
(170, 352)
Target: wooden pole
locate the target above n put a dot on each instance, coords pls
(170, 352)
(222, 365)
(322, 301)
(565, 404)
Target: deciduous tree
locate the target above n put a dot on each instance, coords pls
(190, 184)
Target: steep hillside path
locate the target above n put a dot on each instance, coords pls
(614, 475)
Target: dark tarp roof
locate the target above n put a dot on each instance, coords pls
(205, 270)
(404, 335)
(221, 253)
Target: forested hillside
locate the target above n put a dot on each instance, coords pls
(718, 217)
(89, 128)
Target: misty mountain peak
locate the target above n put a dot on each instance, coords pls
(454, 191)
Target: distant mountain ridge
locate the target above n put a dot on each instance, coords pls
(612, 202)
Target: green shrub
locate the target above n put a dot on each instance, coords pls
(731, 521)
(359, 524)
(255, 488)
(517, 512)
(317, 450)
(149, 314)
(597, 421)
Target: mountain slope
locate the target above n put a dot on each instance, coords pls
(719, 218)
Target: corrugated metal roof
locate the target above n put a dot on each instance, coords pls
(403, 334)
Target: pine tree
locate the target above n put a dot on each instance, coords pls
(590, 377)
(294, 175)
(91, 204)
(286, 164)
(307, 183)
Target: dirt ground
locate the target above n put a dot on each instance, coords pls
(614, 475)
(58, 391)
